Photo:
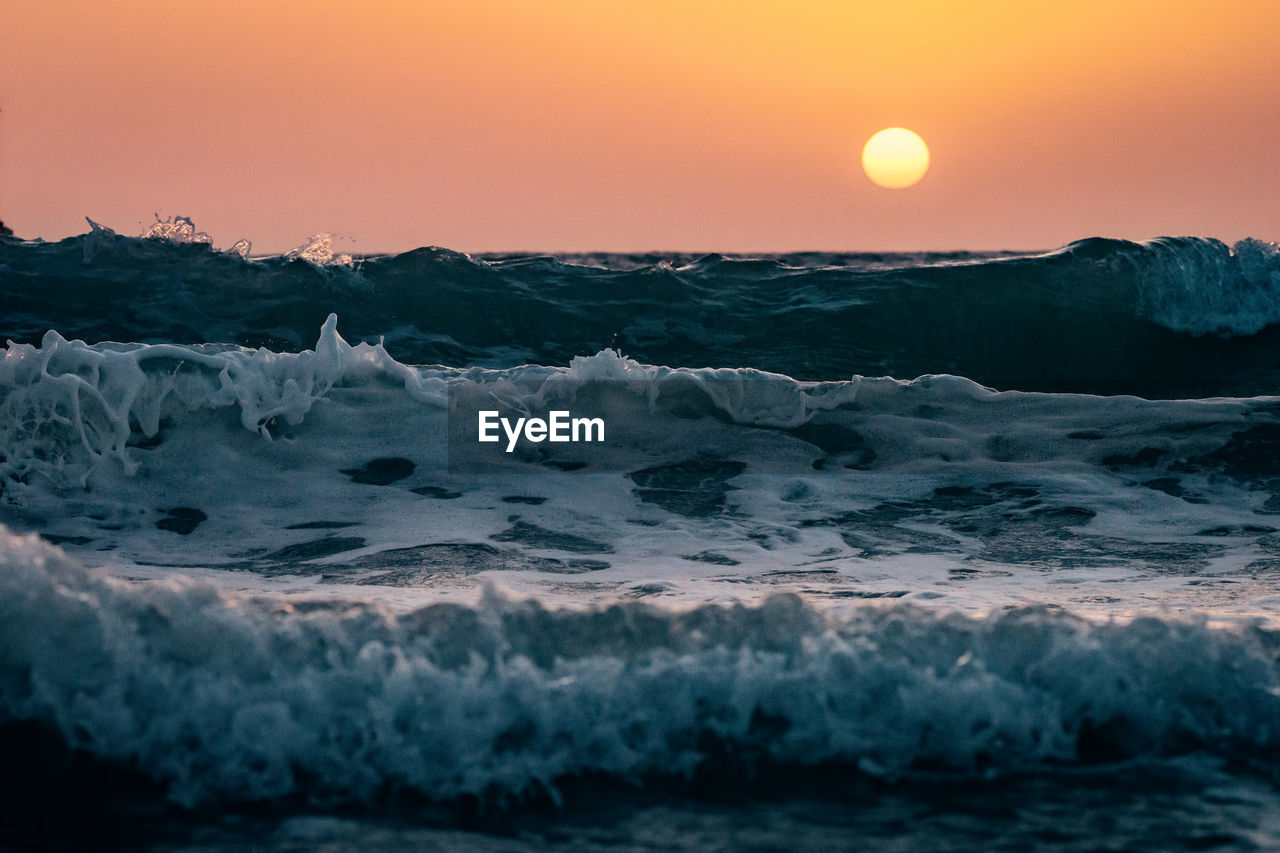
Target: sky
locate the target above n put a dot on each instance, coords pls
(680, 125)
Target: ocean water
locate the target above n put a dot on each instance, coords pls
(911, 551)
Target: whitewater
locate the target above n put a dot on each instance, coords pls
(869, 533)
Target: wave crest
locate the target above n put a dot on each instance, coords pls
(1201, 286)
(69, 408)
(1171, 317)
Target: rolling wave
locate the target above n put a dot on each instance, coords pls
(1172, 317)
(76, 416)
(223, 697)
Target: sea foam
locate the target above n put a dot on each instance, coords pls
(221, 696)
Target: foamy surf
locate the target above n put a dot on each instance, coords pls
(225, 696)
(332, 467)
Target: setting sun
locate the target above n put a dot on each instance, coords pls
(895, 158)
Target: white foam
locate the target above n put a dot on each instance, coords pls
(218, 695)
(258, 442)
(70, 408)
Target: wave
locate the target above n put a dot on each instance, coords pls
(1169, 317)
(220, 696)
(340, 467)
(75, 415)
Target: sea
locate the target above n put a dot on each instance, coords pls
(892, 551)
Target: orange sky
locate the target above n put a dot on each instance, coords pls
(599, 124)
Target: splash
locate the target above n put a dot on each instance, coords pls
(319, 250)
(182, 230)
(176, 229)
(67, 409)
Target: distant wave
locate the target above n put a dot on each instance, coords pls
(1170, 317)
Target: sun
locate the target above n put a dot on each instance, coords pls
(895, 158)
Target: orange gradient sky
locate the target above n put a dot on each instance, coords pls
(598, 124)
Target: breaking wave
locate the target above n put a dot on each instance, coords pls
(220, 696)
